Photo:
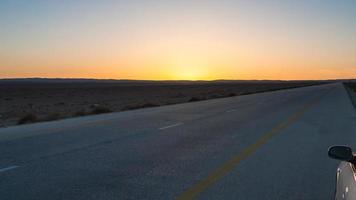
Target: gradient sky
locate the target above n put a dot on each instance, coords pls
(140, 39)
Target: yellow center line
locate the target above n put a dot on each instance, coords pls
(218, 173)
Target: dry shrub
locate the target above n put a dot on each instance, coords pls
(28, 118)
(80, 113)
(196, 99)
(100, 110)
(52, 117)
(138, 106)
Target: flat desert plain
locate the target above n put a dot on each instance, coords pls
(34, 100)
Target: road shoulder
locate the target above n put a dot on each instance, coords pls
(351, 93)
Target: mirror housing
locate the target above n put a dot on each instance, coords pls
(343, 153)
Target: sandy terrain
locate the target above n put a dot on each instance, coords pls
(29, 101)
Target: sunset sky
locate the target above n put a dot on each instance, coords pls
(141, 39)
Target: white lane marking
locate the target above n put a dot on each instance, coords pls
(170, 126)
(8, 168)
(232, 110)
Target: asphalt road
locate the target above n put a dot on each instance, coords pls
(263, 146)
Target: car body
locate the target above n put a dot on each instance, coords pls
(345, 188)
(345, 181)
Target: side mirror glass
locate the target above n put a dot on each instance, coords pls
(343, 153)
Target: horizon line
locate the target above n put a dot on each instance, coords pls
(153, 80)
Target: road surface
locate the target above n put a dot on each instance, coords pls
(263, 146)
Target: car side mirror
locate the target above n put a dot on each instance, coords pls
(343, 153)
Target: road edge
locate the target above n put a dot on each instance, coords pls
(351, 94)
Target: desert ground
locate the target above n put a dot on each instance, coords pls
(33, 100)
(350, 87)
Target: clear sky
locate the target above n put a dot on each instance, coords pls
(193, 39)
